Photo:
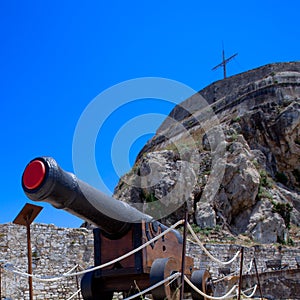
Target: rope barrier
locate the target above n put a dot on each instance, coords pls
(235, 273)
(228, 295)
(207, 252)
(252, 294)
(9, 267)
(223, 278)
(74, 294)
(18, 271)
(71, 270)
(39, 278)
(13, 269)
(250, 266)
(172, 277)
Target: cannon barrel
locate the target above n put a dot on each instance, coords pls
(44, 180)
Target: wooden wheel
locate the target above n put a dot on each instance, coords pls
(161, 269)
(92, 289)
(202, 280)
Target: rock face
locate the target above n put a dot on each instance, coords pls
(232, 153)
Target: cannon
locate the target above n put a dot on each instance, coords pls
(120, 228)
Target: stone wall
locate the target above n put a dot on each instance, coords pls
(57, 250)
(54, 251)
(276, 264)
(285, 284)
(224, 252)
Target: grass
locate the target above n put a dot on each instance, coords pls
(236, 119)
(265, 182)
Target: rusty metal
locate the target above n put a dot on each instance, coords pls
(77, 283)
(241, 273)
(203, 281)
(183, 251)
(29, 253)
(161, 269)
(0, 280)
(257, 276)
(25, 217)
(224, 62)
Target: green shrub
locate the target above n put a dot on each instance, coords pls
(148, 197)
(284, 210)
(236, 119)
(263, 193)
(265, 180)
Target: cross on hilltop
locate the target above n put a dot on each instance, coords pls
(224, 62)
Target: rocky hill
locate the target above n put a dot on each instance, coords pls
(232, 152)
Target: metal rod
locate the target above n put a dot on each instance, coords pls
(29, 259)
(224, 63)
(257, 276)
(241, 273)
(183, 251)
(0, 280)
(25, 218)
(77, 284)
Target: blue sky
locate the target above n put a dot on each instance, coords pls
(57, 56)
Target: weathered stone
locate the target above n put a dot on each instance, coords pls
(205, 215)
(51, 255)
(163, 184)
(240, 181)
(265, 225)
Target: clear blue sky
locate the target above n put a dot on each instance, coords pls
(56, 56)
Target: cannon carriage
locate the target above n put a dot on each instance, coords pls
(120, 228)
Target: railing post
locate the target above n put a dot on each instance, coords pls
(183, 250)
(257, 276)
(241, 273)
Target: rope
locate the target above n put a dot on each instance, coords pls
(39, 278)
(228, 295)
(234, 273)
(172, 277)
(176, 275)
(9, 267)
(223, 278)
(74, 294)
(18, 271)
(71, 270)
(250, 266)
(252, 294)
(207, 252)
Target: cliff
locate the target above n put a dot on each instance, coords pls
(232, 152)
